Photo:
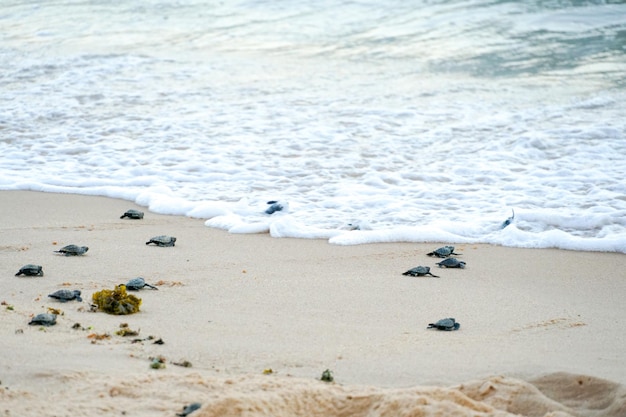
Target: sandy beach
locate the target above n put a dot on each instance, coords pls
(258, 319)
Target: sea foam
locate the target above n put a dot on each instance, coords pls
(388, 119)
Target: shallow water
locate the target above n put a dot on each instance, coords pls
(423, 122)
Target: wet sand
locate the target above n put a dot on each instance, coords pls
(259, 319)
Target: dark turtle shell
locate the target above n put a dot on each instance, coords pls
(274, 206)
(162, 240)
(508, 221)
(188, 409)
(133, 214)
(30, 270)
(447, 324)
(451, 263)
(66, 295)
(44, 319)
(137, 284)
(419, 271)
(443, 252)
(73, 250)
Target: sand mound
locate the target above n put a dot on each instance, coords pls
(156, 394)
(556, 394)
(586, 395)
(256, 398)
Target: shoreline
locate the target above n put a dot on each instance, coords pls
(236, 305)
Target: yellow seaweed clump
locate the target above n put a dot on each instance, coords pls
(117, 301)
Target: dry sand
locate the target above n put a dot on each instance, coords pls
(542, 331)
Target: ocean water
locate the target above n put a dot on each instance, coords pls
(368, 121)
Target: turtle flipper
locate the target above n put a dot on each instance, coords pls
(434, 276)
(151, 286)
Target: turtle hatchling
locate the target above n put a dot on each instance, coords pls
(30, 270)
(443, 252)
(162, 240)
(508, 221)
(188, 409)
(419, 271)
(448, 324)
(73, 250)
(133, 214)
(273, 207)
(66, 295)
(451, 263)
(44, 319)
(137, 284)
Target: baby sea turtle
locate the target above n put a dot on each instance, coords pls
(509, 220)
(66, 295)
(138, 283)
(358, 225)
(451, 263)
(443, 252)
(188, 409)
(448, 324)
(274, 206)
(133, 214)
(30, 270)
(162, 240)
(73, 250)
(419, 271)
(44, 319)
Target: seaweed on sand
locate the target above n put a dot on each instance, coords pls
(116, 301)
(327, 376)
